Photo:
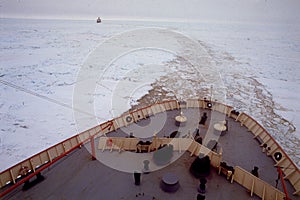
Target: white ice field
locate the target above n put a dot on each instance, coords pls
(257, 66)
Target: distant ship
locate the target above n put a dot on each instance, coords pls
(98, 20)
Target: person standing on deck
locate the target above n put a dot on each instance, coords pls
(203, 119)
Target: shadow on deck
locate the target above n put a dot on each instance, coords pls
(78, 177)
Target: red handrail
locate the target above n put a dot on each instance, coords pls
(91, 137)
(283, 183)
(38, 171)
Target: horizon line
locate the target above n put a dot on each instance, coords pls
(135, 19)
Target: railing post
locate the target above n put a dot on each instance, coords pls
(93, 148)
(283, 183)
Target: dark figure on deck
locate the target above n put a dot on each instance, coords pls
(174, 134)
(198, 138)
(137, 178)
(197, 131)
(215, 147)
(255, 171)
(202, 186)
(226, 130)
(131, 135)
(200, 197)
(203, 119)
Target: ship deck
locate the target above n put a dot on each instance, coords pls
(77, 176)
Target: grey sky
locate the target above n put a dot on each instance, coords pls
(228, 10)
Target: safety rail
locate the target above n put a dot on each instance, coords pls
(273, 149)
(241, 176)
(138, 114)
(26, 169)
(257, 186)
(23, 171)
(14, 173)
(179, 144)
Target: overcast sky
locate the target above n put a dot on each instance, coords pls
(228, 10)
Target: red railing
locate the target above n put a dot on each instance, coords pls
(44, 159)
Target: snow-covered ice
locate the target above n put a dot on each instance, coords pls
(258, 65)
